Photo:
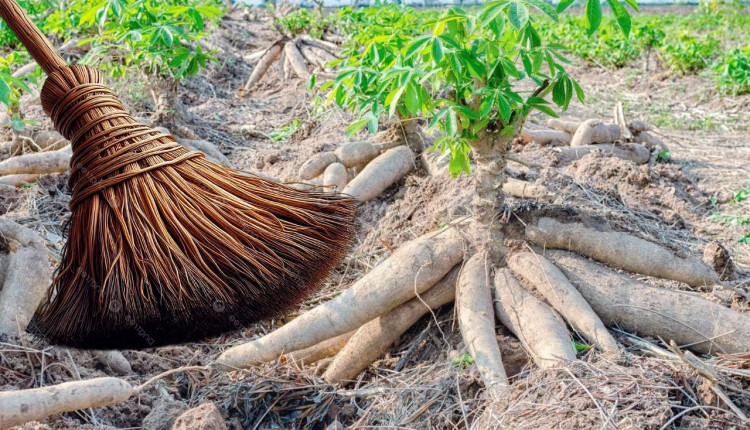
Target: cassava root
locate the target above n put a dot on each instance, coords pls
(271, 54)
(595, 131)
(539, 328)
(114, 360)
(476, 320)
(19, 180)
(385, 170)
(684, 317)
(411, 270)
(296, 60)
(354, 154)
(335, 175)
(37, 163)
(373, 339)
(621, 250)
(546, 278)
(18, 407)
(525, 190)
(544, 137)
(565, 125)
(317, 352)
(26, 277)
(316, 165)
(634, 152)
(21, 406)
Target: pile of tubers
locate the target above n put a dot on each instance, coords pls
(361, 169)
(631, 141)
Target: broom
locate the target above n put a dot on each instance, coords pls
(163, 245)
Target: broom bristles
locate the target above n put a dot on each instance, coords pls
(166, 247)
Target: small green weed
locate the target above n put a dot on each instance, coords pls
(462, 360)
(283, 133)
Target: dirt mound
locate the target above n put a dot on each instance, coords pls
(634, 393)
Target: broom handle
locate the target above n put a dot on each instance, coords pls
(35, 42)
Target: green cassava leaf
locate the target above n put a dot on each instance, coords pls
(622, 15)
(564, 4)
(411, 99)
(518, 15)
(545, 7)
(437, 49)
(593, 15)
(5, 91)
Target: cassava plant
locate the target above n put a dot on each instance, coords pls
(609, 47)
(303, 21)
(160, 39)
(686, 53)
(732, 71)
(12, 87)
(475, 78)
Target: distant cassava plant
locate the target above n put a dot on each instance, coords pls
(732, 71)
(303, 21)
(687, 53)
(158, 37)
(161, 39)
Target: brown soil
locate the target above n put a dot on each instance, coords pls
(416, 385)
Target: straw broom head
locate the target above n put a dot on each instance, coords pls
(165, 246)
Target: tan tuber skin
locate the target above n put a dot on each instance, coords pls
(476, 320)
(544, 137)
(525, 190)
(595, 131)
(267, 58)
(689, 320)
(621, 250)
(18, 407)
(413, 269)
(25, 279)
(28, 276)
(114, 360)
(354, 154)
(565, 125)
(335, 175)
(539, 328)
(317, 352)
(19, 180)
(37, 163)
(634, 152)
(382, 172)
(373, 339)
(296, 60)
(546, 278)
(316, 165)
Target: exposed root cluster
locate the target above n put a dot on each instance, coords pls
(574, 139)
(539, 290)
(548, 280)
(362, 170)
(575, 292)
(298, 56)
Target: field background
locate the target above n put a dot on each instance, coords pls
(696, 198)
